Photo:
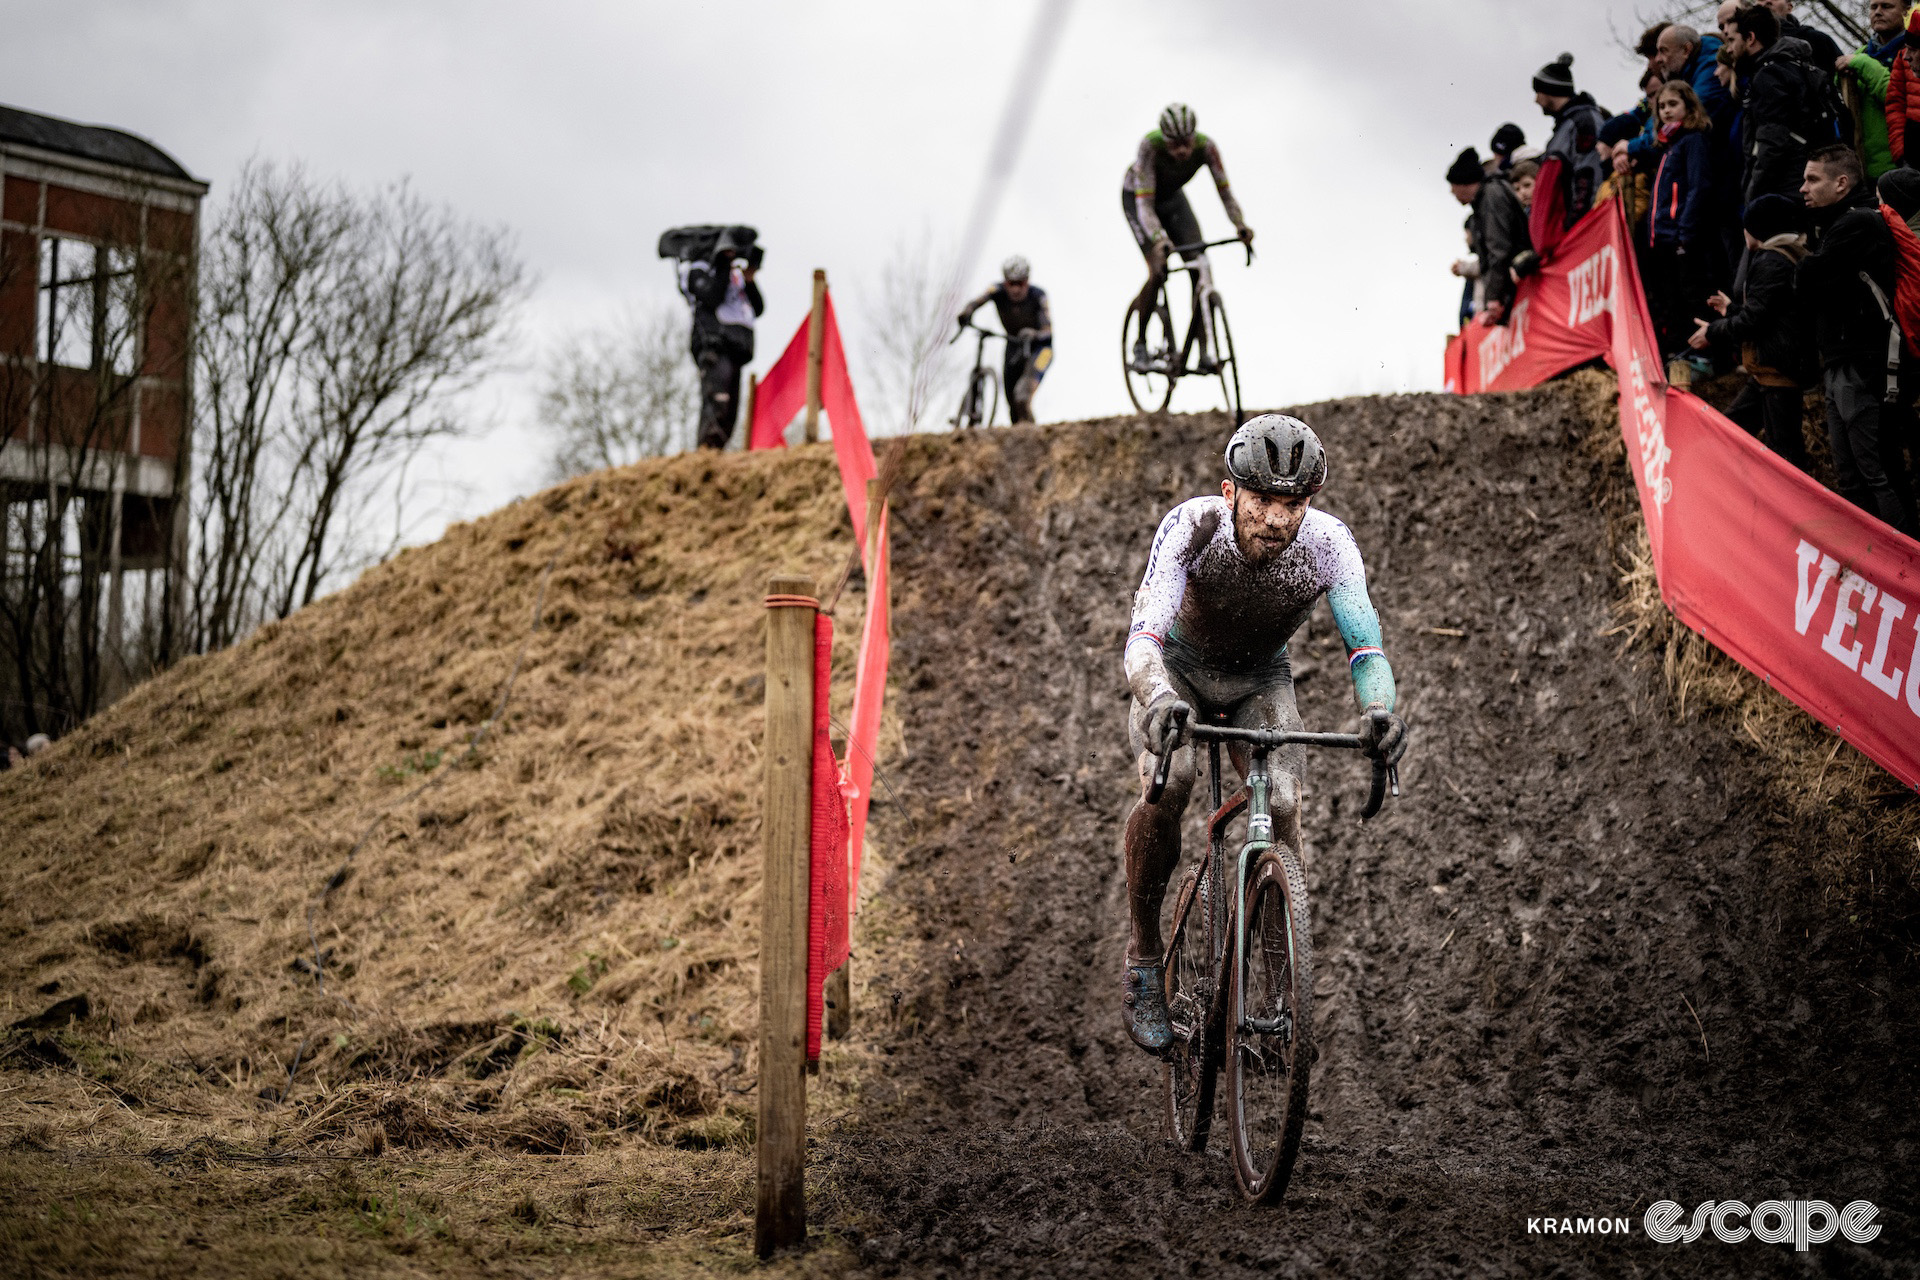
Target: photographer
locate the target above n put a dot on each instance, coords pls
(716, 269)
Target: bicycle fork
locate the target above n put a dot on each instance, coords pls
(1259, 840)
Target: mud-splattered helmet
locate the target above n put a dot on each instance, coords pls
(1274, 453)
(1177, 123)
(1015, 270)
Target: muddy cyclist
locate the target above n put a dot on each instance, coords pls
(1228, 582)
(1160, 217)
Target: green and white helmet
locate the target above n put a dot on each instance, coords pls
(1276, 454)
(1177, 123)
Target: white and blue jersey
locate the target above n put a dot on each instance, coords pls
(1202, 605)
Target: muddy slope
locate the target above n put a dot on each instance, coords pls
(1572, 971)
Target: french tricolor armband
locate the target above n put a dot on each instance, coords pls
(1364, 651)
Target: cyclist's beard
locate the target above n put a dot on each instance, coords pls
(1256, 551)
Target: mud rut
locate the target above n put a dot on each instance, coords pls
(1509, 965)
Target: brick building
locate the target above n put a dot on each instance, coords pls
(98, 235)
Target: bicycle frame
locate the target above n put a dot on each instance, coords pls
(1259, 781)
(1198, 316)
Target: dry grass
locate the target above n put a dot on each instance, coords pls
(1867, 855)
(555, 943)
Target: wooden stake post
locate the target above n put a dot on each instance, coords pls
(780, 1211)
(816, 352)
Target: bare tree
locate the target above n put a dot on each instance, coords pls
(411, 311)
(610, 397)
(911, 367)
(337, 331)
(262, 267)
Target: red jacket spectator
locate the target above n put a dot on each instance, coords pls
(1572, 170)
(1903, 93)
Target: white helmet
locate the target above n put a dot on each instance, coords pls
(1015, 270)
(1274, 453)
(1177, 123)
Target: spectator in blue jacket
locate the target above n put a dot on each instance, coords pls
(1683, 240)
(1684, 54)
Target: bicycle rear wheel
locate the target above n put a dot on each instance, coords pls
(1193, 1060)
(1270, 1028)
(1150, 389)
(1221, 335)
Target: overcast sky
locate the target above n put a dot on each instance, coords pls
(843, 130)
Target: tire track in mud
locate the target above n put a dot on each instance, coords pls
(1572, 970)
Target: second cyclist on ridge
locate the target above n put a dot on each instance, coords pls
(1028, 324)
(1161, 219)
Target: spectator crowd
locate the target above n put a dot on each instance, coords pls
(1770, 178)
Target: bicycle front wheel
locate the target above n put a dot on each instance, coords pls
(1193, 1059)
(1222, 336)
(1150, 382)
(1270, 1028)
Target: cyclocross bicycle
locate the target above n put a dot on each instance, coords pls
(1151, 386)
(982, 397)
(1240, 964)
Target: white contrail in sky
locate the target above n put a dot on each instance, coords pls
(1029, 78)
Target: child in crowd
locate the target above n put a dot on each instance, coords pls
(1679, 230)
(1523, 176)
(1767, 327)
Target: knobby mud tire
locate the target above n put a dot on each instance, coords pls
(1150, 392)
(1266, 1073)
(1221, 336)
(1193, 1060)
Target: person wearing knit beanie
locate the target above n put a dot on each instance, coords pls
(1554, 81)
(1497, 231)
(1506, 138)
(1900, 191)
(1777, 215)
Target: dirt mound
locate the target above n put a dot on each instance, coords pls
(1577, 968)
(1581, 965)
(556, 940)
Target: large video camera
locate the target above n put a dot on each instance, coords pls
(710, 243)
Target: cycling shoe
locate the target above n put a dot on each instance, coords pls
(1140, 363)
(1144, 1006)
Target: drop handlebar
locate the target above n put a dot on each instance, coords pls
(1265, 740)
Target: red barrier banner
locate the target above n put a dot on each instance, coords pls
(827, 936)
(1812, 594)
(783, 393)
(869, 692)
(1561, 318)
